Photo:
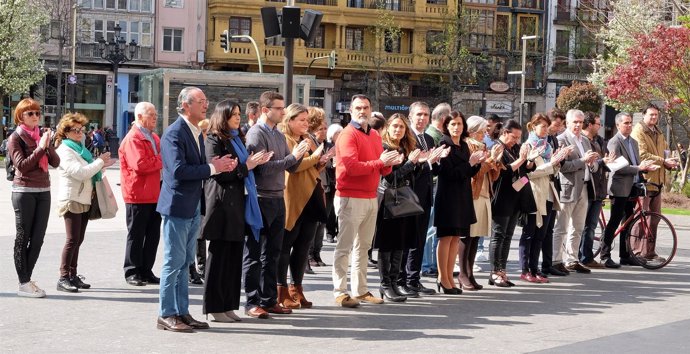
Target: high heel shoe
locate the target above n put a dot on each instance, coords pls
(233, 315)
(220, 317)
(502, 274)
(389, 294)
(449, 291)
(496, 279)
(476, 285)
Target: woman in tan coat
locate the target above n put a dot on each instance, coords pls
(304, 208)
(481, 195)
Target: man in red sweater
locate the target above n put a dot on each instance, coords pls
(140, 178)
(360, 163)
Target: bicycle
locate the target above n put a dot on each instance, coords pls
(640, 230)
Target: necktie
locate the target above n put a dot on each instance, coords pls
(422, 142)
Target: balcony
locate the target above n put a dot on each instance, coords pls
(89, 52)
(392, 5)
(310, 2)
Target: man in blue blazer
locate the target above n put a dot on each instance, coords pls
(181, 204)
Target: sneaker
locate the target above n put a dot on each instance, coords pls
(346, 301)
(477, 269)
(481, 257)
(368, 297)
(29, 289)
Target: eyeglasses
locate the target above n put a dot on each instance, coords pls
(33, 113)
(202, 101)
(77, 130)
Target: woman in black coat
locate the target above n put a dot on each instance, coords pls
(453, 205)
(230, 214)
(507, 202)
(394, 235)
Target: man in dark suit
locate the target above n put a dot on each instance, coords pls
(575, 173)
(409, 278)
(181, 204)
(620, 186)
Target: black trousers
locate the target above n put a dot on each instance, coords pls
(547, 242)
(531, 240)
(143, 235)
(317, 244)
(621, 209)
(260, 263)
(295, 251)
(31, 212)
(410, 271)
(502, 229)
(223, 276)
(332, 221)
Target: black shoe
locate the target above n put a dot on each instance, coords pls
(151, 279)
(430, 274)
(195, 278)
(372, 263)
(631, 262)
(64, 284)
(390, 294)
(555, 271)
(135, 280)
(320, 262)
(609, 263)
(421, 289)
(76, 281)
(308, 270)
(403, 290)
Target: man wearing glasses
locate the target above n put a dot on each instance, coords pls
(260, 263)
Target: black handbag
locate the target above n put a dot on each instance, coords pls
(400, 201)
(94, 210)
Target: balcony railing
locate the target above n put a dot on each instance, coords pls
(393, 5)
(311, 2)
(90, 51)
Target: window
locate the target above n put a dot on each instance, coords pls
(355, 3)
(240, 26)
(97, 4)
(503, 2)
(98, 30)
(134, 31)
(354, 38)
(434, 42)
(482, 33)
(123, 32)
(145, 5)
(85, 4)
(318, 41)
(174, 3)
(122, 4)
(145, 34)
(527, 26)
(529, 4)
(562, 43)
(134, 5)
(391, 5)
(502, 31)
(110, 4)
(110, 30)
(172, 39)
(483, 2)
(392, 42)
(437, 2)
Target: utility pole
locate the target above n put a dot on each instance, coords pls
(289, 62)
(73, 77)
(522, 74)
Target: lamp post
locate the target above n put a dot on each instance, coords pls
(483, 76)
(522, 73)
(115, 51)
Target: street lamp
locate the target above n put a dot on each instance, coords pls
(115, 51)
(483, 76)
(522, 73)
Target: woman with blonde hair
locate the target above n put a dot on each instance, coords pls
(304, 208)
(78, 172)
(31, 153)
(481, 196)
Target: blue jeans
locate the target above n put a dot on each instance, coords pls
(429, 261)
(591, 225)
(179, 249)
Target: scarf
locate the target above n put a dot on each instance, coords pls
(252, 213)
(35, 134)
(538, 142)
(85, 154)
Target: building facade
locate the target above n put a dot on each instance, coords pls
(181, 34)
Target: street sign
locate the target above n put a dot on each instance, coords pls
(72, 79)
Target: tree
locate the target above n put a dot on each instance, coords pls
(580, 95)
(386, 33)
(20, 66)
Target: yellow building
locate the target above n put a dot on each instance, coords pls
(349, 28)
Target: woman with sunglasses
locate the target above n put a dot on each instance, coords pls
(31, 154)
(78, 172)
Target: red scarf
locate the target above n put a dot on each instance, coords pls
(35, 134)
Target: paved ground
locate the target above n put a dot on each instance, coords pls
(626, 310)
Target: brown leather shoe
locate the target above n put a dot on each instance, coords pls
(297, 294)
(594, 265)
(257, 312)
(190, 321)
(285, 298)
(577, 267)
(346, 301)
(174, 324)
(368, 297)
(278, 309)
(562, 268)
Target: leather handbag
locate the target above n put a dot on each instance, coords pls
(400, 201)
(107, 203)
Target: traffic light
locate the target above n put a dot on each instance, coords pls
(224, 41)
(332, 60)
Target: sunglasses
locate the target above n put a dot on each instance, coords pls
(80, 130)
(33, 113)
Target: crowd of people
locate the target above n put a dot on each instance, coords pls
(263, 195)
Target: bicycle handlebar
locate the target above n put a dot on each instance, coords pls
(645, 193)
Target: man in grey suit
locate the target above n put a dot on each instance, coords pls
(620, 186)
(576, 171)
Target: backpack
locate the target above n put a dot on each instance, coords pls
(9, 165)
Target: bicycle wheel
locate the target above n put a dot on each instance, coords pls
(644, 245)
(599, 239)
